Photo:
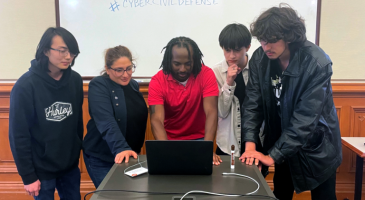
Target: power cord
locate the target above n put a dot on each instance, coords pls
(175, 193)
(235, 174)
(139, 163)
(226, 195)
(193, 191)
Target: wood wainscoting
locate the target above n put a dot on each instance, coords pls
(350, 104)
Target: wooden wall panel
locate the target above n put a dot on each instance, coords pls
(7, 164)
(350, 106)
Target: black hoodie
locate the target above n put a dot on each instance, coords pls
(45, 123)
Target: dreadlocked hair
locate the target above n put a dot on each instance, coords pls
(185, 42)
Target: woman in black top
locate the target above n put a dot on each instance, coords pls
(118, 114)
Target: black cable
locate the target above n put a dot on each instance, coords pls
(171, 193)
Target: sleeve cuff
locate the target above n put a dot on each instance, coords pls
(250, 137)
(276, 155)
(153, 103)
(121, 149)
(229, 89)
(29, 178)
(249, 140)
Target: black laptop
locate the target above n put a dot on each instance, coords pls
(179, 157)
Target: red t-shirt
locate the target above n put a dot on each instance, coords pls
(184, 112)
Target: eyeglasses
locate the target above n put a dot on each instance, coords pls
(64, 53)
(129, 70)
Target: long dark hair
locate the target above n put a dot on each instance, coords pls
(185, 42)
(46, 42)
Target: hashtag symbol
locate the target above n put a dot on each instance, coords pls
(114, 6)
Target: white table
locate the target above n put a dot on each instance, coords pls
(357, 145)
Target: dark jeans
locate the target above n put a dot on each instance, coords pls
(284, 188)
(97, 168)
(68, 187)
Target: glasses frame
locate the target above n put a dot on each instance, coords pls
(124, 70)
(64, 53)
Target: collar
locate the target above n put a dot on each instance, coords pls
(293, 67)
(225, 66)
(170, 78)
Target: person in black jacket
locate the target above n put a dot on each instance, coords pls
(45, 120)
(290, 88)
(118, 114)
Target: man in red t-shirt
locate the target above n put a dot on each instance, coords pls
(183, 96)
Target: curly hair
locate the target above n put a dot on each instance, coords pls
(278, 23)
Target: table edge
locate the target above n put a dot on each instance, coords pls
(352, 148)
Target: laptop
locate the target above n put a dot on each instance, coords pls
(179, 157)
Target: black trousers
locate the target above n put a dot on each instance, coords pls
(284, 188)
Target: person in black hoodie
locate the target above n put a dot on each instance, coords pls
(45, 120)
(118, 114)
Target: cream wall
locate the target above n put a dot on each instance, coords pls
(22, 23)
(342, 38)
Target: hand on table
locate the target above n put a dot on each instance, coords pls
(125, 154)
(256, 157)
(216, 159)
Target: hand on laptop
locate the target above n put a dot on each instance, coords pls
(125, 154)
(216, 159)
